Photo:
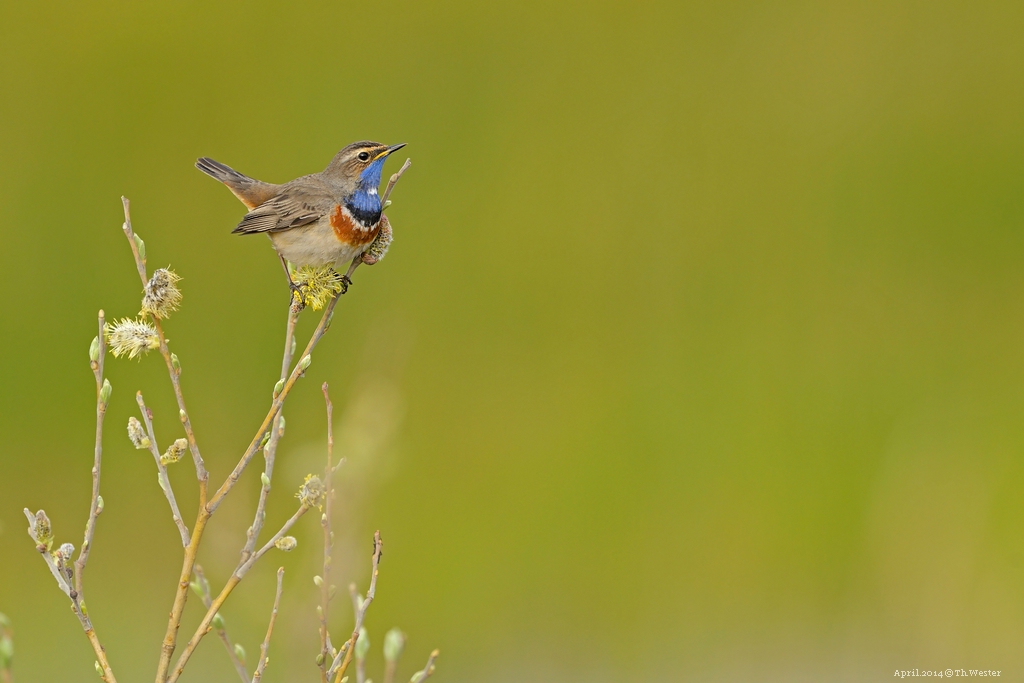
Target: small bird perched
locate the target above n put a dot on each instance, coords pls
(321, 219)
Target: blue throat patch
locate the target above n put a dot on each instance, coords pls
(364, 204)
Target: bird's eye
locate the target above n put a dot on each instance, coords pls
(363, 156)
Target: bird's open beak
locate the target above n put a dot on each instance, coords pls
(389, 150)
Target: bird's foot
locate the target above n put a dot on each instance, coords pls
(345, 282)
(296, 296)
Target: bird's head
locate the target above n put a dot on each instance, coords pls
(358, 169)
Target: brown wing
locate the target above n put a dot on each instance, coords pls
(297, 204)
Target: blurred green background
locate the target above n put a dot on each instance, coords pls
(697, 356)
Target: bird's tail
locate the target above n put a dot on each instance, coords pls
(223, 173)
(249, 191)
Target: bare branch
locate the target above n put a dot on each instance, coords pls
(173, 369)
(270, 630)
(395, 177)
(165, 482)
(325, 523)
(239, 573)
(423, 675)
(270, 450)
(275, 408)
(204, 593)
(344, 656)
(58, 563)
(95, 505)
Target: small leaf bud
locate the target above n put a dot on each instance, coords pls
(240, 652)
(141, 247)
(94, 349)
(304, 364)
(99, 504)
(318, 580)
(105, 392)
(218, 621)
(265, 479)
(176, 364)
(394, 643)
(278, 387)
(362, 643)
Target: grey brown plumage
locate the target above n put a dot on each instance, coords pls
(249, 191)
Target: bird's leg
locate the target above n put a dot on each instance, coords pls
(346, 279)
(294, 291)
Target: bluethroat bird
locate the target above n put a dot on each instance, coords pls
(322, 219)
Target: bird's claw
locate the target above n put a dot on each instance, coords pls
(345, 282)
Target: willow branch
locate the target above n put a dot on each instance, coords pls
(428, 670)
(175, 372)
(240, 571)
(204, 593)
(57, 563)
(275, 408)
(395, 177)
(270, 450)
(265, 647)
(344, 657)
(325, 523)
(165, 482)
(95, 505)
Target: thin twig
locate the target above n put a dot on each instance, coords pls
(165, 482)
(275, 408)
(207, 509)
(393, 181)
(325, 523)
(423, 675)
(101, 410)
(265, 647)
(204, 587)
(339, 665)
(270, 450)
(75, 574)
(140, 263)
(63, 573)
(240, 571)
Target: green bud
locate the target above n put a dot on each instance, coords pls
(266, 438)
(265, 479)
(6, 652)
(293, 346)
(94, 349)
(218, 621)
(99, 504)
(362, 643)
(99, 669)
(105, 392)
(141, 246)
(182, 416)
(176, 364)
(240, 652)
(394, 643)
(320, 659)
(318, 581)
(278, 387)
(280, 426)
(304, 364)
(196, 588)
